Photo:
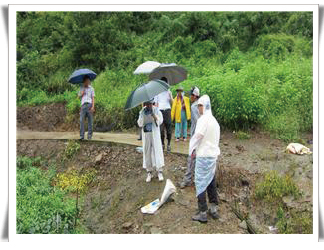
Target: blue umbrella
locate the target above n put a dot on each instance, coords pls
(77, 76)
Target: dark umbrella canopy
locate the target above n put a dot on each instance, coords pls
(145, 92)
(171, 71)
(77, 76)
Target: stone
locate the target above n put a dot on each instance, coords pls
(243, 225)
(147, 226)
(289, 201)
(98, 158)
(155, 230)
(310, 174)
(273, 230)
(222, 197)
(183, 202)
(127, 225)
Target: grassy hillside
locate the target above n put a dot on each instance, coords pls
(256, 66)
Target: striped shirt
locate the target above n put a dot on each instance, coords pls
(88, 94)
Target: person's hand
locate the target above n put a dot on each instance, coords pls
(193, 155)
(82, 92)
(92, 109)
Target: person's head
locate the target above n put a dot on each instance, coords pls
(86, 81)
(194, 94)
(164, 79)
(149, 103)
(204, 106)
(179, 90)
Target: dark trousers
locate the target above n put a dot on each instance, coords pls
(212, 196)
(166, 125)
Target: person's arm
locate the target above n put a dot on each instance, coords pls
(171, 98)
(93, 101)
(81, 93)
(140, 120)
(93, 104)
(194, 142)
(173, 108)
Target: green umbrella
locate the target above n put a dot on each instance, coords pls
(145, 92)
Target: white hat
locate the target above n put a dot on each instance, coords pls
(195, 91)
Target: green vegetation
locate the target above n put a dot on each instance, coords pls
(290, 220)
(274, 187)
(41, 207)
(45, 198)
(72, 147)
(75, 182)
(296, 223)
(242, 135)
(256, 66)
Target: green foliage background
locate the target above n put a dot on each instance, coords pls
(256, 66)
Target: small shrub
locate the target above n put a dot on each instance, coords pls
(242, 135)
(75, 182)
(71, 149)
(294, 222)
(25, 162)
(274, 187)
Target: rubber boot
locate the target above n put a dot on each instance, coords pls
(213, 211)
(201, 217)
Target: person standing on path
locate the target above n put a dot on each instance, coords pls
(206, 143)
(164, 102)
(194, 96)
(87, 96)
(180, 112)
(150, 119)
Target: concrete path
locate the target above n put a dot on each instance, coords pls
(124, 138)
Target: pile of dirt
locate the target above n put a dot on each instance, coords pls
(49, 117)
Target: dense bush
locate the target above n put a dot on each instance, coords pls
(256, 66)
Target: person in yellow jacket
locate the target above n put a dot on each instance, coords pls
(180, 112)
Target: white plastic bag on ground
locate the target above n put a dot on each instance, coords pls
(152, 207)
(296, 148)
(168, 190)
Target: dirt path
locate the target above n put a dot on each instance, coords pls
(124, 138)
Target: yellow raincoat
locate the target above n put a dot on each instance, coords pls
(176, 109)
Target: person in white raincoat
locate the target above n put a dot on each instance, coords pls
(150, 119)
(206, 143)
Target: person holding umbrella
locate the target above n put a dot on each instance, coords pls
(194, 96)
(87, 96)
(180, 112)
(150, 119)
(206, 143)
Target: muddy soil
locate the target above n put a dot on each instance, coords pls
(51, 117)
(113, 202)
